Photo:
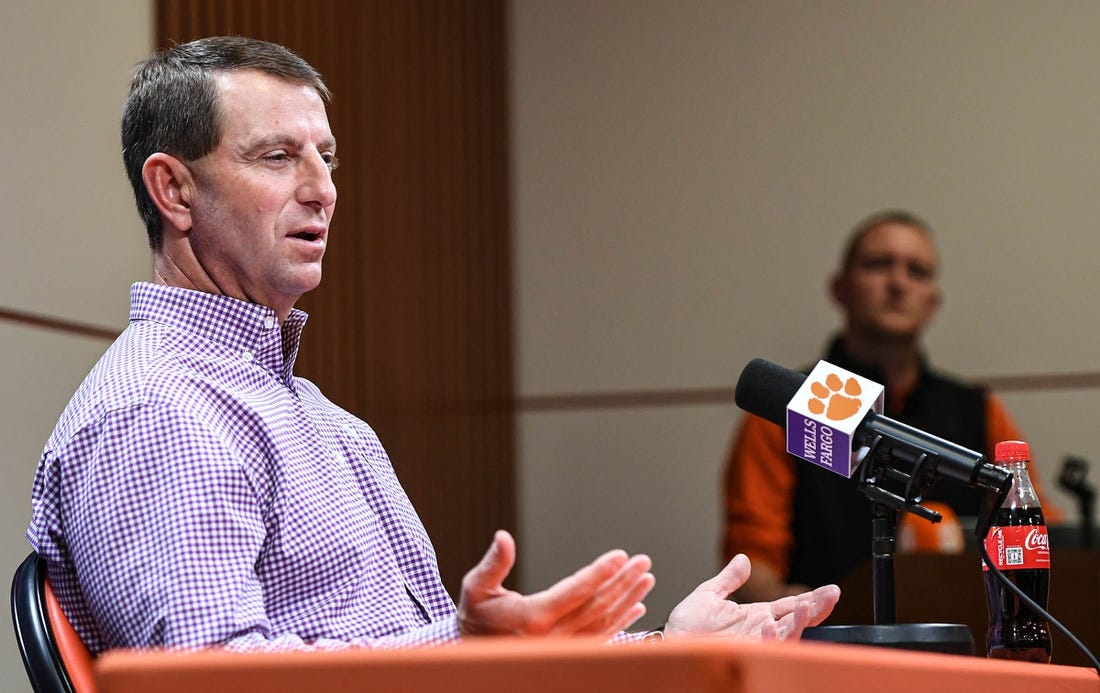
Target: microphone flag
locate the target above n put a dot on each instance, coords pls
(824, 414)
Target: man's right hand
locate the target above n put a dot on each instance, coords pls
(600, 599)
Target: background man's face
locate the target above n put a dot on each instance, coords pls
(890, 289)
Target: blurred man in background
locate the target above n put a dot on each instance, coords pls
(802, 525)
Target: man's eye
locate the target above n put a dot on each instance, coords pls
(277, 156)
(920, 272)
(331, 160)
(877, 263)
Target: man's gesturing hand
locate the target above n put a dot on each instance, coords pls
(708, 610)
(601, 598)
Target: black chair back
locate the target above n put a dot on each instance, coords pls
(33, 632)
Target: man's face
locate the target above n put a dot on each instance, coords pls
(264, 196)
(890, 289)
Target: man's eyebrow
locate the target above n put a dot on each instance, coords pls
(262, 144)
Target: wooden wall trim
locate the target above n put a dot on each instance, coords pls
(56, 324)
(411, 327)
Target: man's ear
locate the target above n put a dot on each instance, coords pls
(838, 289)
(937, 300)
(171, 186)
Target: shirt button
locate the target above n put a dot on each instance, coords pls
(246, 355)
(269, 322)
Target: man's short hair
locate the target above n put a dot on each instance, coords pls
(889, 216)
(173, 105)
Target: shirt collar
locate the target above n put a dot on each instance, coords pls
(247, 328)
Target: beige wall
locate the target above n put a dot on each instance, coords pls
(72, 242)
(683, 175)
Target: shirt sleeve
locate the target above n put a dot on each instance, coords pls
(759, 488)
(164, 531)
(1000, 426)
(444, 632)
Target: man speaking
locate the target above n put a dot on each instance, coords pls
(195, 492)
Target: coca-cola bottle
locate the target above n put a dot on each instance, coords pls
(1017, 545)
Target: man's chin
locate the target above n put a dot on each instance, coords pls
(306, 281)
(897, 335)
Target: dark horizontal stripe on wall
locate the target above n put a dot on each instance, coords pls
(616, 400)
(724, 395)
(1048, 381)
(58, 324)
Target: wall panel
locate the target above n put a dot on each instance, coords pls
(410, 328)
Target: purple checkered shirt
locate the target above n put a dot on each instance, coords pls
(196, 492)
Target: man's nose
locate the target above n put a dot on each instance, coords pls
(899, 275)
(316, 185)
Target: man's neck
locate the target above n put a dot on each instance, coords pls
(189, 274)
(899, 361)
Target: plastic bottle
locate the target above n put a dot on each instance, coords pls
(1017, 544)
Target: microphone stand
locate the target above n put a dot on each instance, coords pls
(883, 530)
(890, 490)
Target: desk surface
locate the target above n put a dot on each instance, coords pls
(542, 666)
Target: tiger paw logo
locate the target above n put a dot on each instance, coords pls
(835, 398)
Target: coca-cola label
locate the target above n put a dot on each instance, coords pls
(1019, 547)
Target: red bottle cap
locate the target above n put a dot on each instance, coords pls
(1012, 451)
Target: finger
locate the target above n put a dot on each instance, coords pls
(821, 602)
(782, 606)
(610, 605)
(768, 631)
(790, 627)
(729, 579)
(636, 610)
(823, 597)
(569, 593)
(628, 619)
(488, 575)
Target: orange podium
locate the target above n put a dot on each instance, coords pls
(548, 665)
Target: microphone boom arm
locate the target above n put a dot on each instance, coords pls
(907, 460)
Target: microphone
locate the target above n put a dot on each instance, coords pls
(832, 412)
(833, 405)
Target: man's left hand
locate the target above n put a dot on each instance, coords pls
(708, 610)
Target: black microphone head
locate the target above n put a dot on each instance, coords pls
(765, 389)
